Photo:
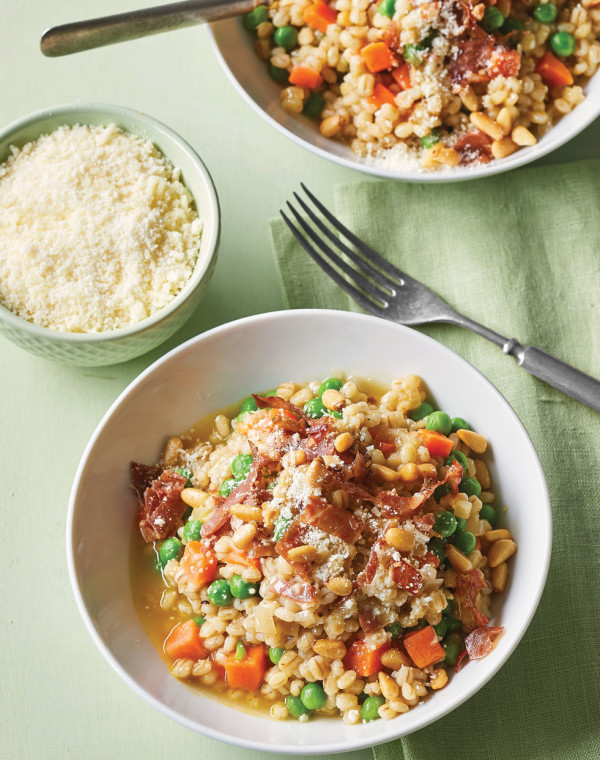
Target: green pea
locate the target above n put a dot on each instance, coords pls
(470, 486)
(545, 13)
(428, 141)
(421, 411)
(459, 457)
(191, 531)
(493, 18)
(487, 512)
(199, 620)
(313, 105)
(314, 408)
(370, 708)
(465, 541)
(286, 37)
(512, 24)
(241, 589)
(313, 696)
(458, 423)
(281, 76)
(170, 549)
(441, 491)
(387, 8)
(240, 652)
(295, 706)
(256, 17)
(453, 624)
(441, 628)
(440, 422)
(275, 654)
(281, 525)
(330, 383)
(219, 593)
(249, 404)
(445, 524)
(436, 546)
(185, 473)
(240, 466)
(563, 44)
(452, 649)
(461, 523)
(337, 415)
(227, 487)
(395, 629)
(412, 54)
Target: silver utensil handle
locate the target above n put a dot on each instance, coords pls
(556, 373)
(93, 33)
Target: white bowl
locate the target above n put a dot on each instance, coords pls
(208, 373)
(234, 47)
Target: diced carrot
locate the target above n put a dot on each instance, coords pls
(378, 57)
(382, 95)
(365, 660)
(199, 563)
(302, 76)
(248, 673)
(184, 642)
(423, 647)
(319, 15)
(437, 444)
(402, 76)
(239, 557)
(553, 72)
(383, 446)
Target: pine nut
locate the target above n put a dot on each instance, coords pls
(315, 472)
(304, 553)
(408, 472)
(385, 473)
(499, 577)
(428, 470)
(171, 452)
(339, 586)
(497, 535)
(193, 497)
(482, 474)
(394, 659)
(474, 441)
(222, 425)
(467, 96)
(400, 539)
(334, 650)
(389, 687)
(330, 127)
(246, 513)
(448, 157)
(504, 119)
(500, 551)
(483, 122)
(459, 561)
(244, 534)
(522, 136)
(440, 679)
(503, 147)
(343, 442)
(333, 399)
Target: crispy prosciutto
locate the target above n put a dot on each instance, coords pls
(429, 558)
(276, 402)
(480, 642)
(368, 619)
(468, 586)
(293, 537)
(332, 520)
(319, 441)
(480, 59)
(425, 522)
(407, 577)
(368, 573)
(161, 510)
(403, 507)
(296, 590)
(142, 475)
(474, 146)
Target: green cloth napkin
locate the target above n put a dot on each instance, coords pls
(520, 253)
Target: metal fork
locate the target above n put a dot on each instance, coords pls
(388, 292)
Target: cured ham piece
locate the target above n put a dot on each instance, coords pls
(320, 440)
(368, 619)
(480, 642)
(276, 402)
(162, 508)
(358, 492)
(368, 573)
(480, 59)
(293, 537)
(474, 147)
(142, 475)
(296, 590)
(429, 558)
(402, 507)
(425, 522)
(407, 577)
(332, 520)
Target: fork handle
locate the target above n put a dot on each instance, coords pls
(553, 371)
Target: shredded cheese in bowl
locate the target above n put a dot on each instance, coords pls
(97, 230)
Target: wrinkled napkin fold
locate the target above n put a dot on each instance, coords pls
(520, 253)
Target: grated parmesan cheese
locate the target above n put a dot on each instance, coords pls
(97, 231)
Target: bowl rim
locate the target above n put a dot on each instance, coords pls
(456, 174)
(210, 217)
(292, 749)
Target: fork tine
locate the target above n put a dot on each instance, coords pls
(371, 288)
(363, 264)
(353, 292)
(357, 242)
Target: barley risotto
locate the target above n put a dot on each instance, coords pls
(330, 548)
(430, 84)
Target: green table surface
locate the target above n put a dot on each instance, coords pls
(58, 698)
